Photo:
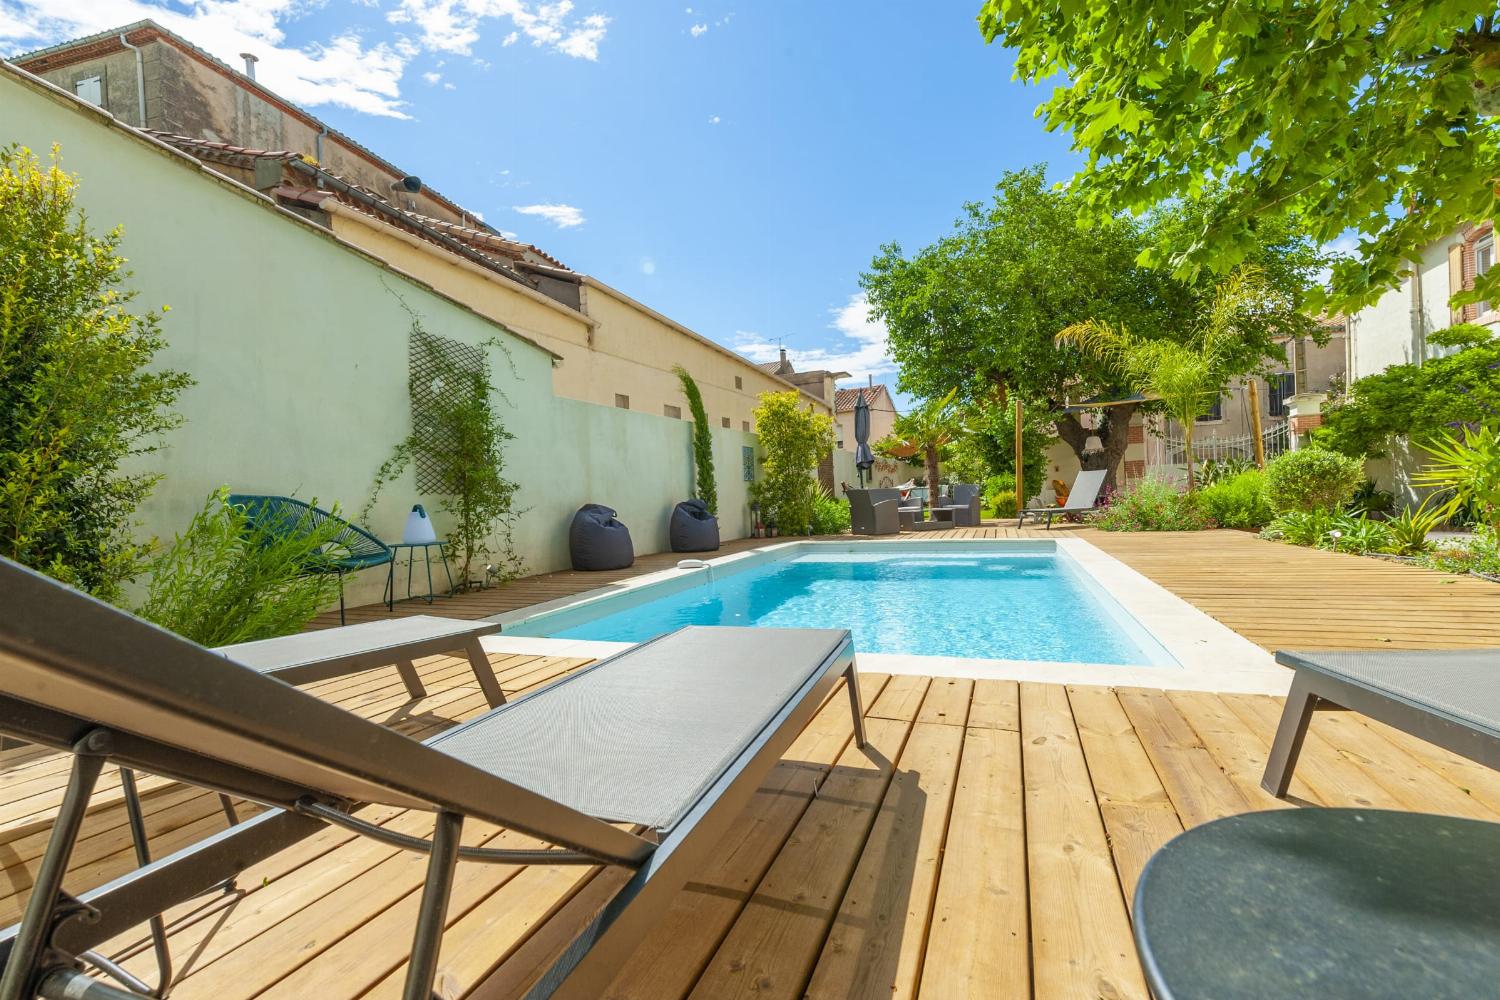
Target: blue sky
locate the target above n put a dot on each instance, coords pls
(733, 165)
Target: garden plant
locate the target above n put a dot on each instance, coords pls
(703, 442)
(793, 440)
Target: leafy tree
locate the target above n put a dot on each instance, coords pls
(792, 440)
(979, 308)
(1414, 401)
(1350, 113)
(1186, 377)
(78, 397)
(925, 431)
(703, 442)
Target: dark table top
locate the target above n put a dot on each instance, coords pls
(1326, 904)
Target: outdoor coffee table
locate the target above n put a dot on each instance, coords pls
(1323, 903)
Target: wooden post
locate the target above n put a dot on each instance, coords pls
(1260, 444)
(1020, 480)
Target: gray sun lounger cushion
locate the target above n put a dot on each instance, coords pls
(1450, 698)
(680, 732)
(686, 703)
(332, 652)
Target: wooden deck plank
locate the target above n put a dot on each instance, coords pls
(1137, 812)
(1199, 788)
(1239, 750)
(995, 705)
(874, 949)
(770, 950)
(979, 941)
(947, 702)
(901, 699)
(1081, 942)
(669, 961)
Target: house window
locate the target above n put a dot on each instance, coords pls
(675, 412)
(739, 383)
(622, 401)
(1484, 259)
(724, 422)
(1282, 385)
(745, 426)
(91, 89)
(1215, 413)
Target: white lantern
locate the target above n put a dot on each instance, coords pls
(418, 528)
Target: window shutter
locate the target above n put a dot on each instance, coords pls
(1455, 279)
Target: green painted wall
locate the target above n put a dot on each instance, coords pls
(298, 343)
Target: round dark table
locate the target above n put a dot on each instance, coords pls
(1332, 904)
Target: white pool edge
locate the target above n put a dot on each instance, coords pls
(1210, 655)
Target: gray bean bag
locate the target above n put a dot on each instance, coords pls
(597, 540)
(693, 528)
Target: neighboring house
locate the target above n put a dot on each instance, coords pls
(1395, 328)
(611, 349)
(882, 413)
(1310, 369)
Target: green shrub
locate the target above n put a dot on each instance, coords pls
(1480, 553)
(703, 442)
(81, 394)
(1360, 535)
(1000, 494)
(1216, 470)
(1237, 502)
(1299, 527)
(1152, 505)
(1409, 529)
(792, 442)
(224, 581)
(830, 514)
(1311, 479)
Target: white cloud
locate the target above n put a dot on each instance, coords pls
(431, 78)
(648, 265)
(714, 119)
(561, 216)
(343, 71)
(449, 86)
(862, 349)
(698, 30)
(454, 25)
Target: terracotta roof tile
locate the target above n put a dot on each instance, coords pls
(844, 400)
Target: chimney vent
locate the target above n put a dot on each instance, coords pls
(250, 60)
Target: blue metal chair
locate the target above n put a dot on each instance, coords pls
(351, 548)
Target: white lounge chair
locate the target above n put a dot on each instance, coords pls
(1081, 499)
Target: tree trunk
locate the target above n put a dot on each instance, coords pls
(1113, 433)
(1187, 440)
(932, 472)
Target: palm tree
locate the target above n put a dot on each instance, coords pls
(1187, 377)
(926, 430)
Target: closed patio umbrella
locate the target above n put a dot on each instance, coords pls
(864, 458)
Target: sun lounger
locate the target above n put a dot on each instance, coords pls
(670, 738)
(316, 656)
(1081, 499)
(1449, 697)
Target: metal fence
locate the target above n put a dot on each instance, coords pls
(1172, 451)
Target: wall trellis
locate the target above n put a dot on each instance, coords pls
(440, 372)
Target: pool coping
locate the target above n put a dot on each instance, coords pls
(1210, 655)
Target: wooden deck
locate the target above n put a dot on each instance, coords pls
(986, 845)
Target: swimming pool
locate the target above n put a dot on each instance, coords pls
(1021, 601)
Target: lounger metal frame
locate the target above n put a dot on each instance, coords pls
(1312, 689)
(313, 762)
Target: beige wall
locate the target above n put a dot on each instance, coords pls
(298, 344)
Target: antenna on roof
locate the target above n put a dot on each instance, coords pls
(250, 60)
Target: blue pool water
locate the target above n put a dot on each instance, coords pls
(1013, 606)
